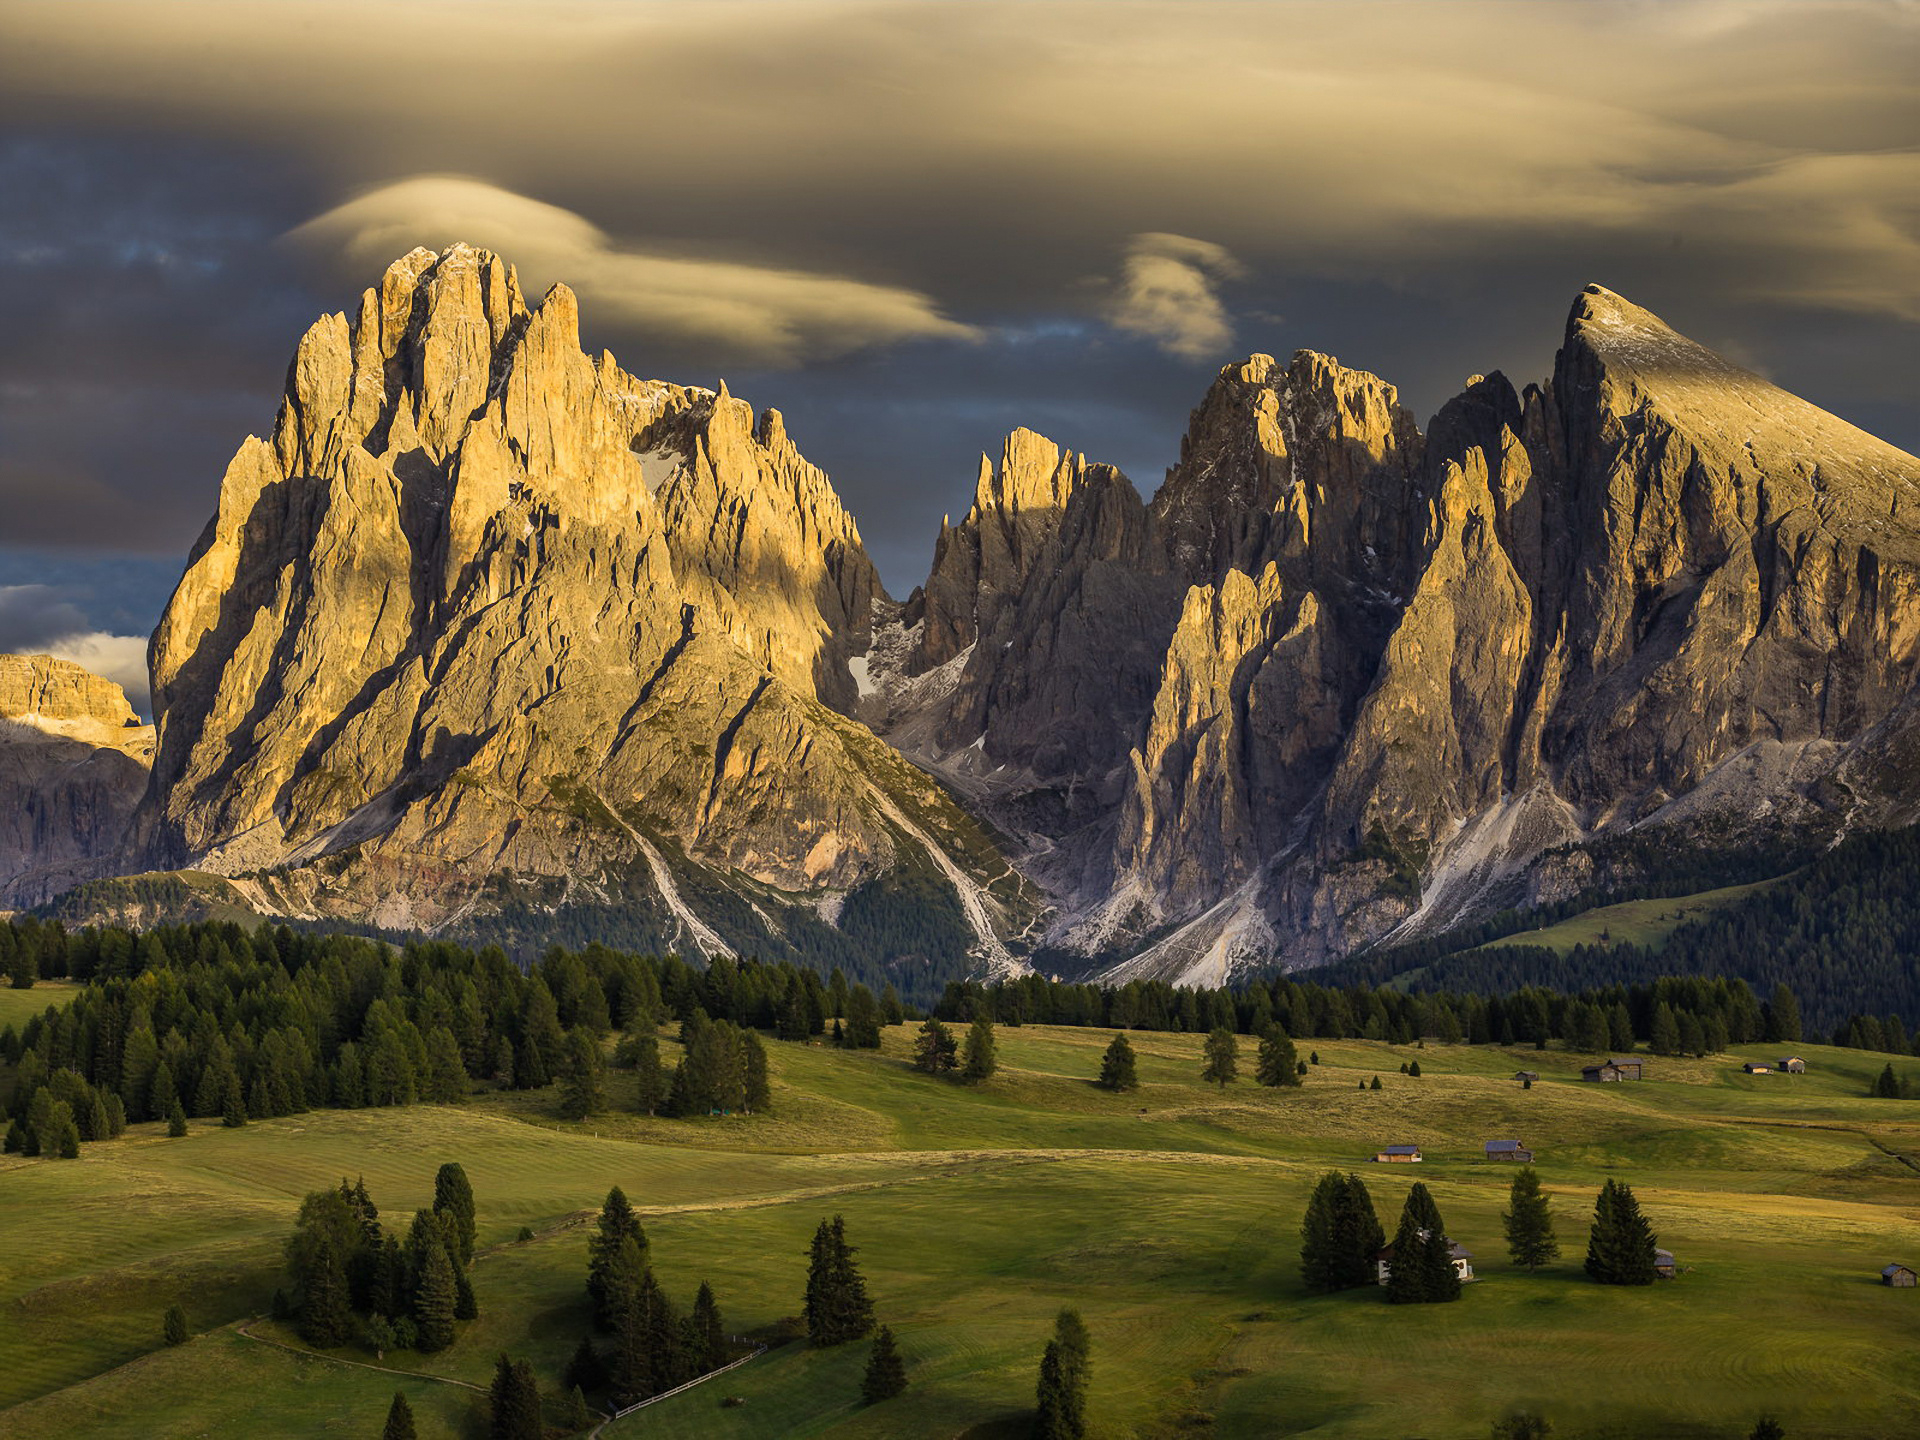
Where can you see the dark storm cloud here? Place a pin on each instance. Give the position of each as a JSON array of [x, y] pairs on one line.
[[914, 225]]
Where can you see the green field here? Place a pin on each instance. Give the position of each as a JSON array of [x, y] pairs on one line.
[[1646, 923], [1169, 1217], [19, 1006]]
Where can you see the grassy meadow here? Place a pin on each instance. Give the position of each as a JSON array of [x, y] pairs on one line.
[[1646, 923], [1168, 1216]]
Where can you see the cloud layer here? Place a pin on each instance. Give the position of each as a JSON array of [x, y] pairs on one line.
[[731, 311], [1166, 293], [40, 620]]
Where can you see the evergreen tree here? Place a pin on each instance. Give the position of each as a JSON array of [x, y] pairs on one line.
[[708, 1330], [1887, 1085], [1620, 1248], [617, 1225], [892, 1012], [1222, 1065], [574, 1414], [1767, 1428], [863, 1019], [649, 1072], [446, 1071], [434, 1302], [1340, 1235], [1421, 1270], [886, 1373], [1529, 1222], [1522, 1425], [981, 1059], [1058, 1413], [1376, 1083], [836, 1307], [233, 1107], [325, 1318], [515, 1400], [583, 1086], [757, 1088], [453, 1202], [1277, 1063], [1783, 1015], [1117, 1069], [1076, 1349], [176, 1121], [174, 1329], [586, 1370], [399, 1420], [1666, 1031], [933, 1048]]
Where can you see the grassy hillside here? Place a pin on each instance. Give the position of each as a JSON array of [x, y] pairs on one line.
[[1646, 923], [1168, 1216], [19, 1006]]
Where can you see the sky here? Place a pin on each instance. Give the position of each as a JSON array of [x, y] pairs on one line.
[[911, 226]]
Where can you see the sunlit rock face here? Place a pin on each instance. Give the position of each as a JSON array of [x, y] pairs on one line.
[[73, 766], [1368, 683], [484, 609]]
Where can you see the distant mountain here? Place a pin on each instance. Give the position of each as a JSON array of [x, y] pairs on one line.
[[73, 766], [494, 640]]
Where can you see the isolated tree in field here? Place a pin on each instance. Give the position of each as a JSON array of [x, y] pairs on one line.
[[583, 1084], [1887, 1085], [515, 1398], [1222, 1065], [981, 1057], [1621, 1245], [399, 1420], [453, 1202], [1522, 1425], [934, 1049], [434, 1302], [837, 1308], [1277, 1063], [709, 1333], [1528, 1219], [1058, 1411], [1421, 1271], [886, 1373], [1117, 1070], [176, 1122], [1767, 1428], [1076, 1348], [617, 1225], [1340, 1236], [174, 1329]]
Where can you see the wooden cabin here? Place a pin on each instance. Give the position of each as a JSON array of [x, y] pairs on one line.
[[1530, 1077], [1898, 1276], [1791, 1065], [1757, 1067], [1509, 1150], [1461, 1256], [1663, 1265], [1605, 1072], [1398, 1155]]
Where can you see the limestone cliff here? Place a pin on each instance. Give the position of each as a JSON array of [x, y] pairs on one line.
[[73, 766], [487, 621]]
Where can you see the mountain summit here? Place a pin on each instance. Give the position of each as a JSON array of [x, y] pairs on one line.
[[493, 639]]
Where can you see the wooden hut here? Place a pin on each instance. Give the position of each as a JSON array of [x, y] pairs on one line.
[[1898, 1276], [1509, 1150], [1791, 1065], [1530, 1077], [1757, 1067], [1663, 1265], [1398, 1155], [1461, 1256]]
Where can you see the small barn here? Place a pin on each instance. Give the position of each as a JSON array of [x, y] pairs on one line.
[[1461, 1256], [1663, 1265], [1791, 1065], [1629, 1066], [1757, 1067], [1606, 1072], [1398, 1155], [1531, 1077], [1898, 1276], [1509, 1150]]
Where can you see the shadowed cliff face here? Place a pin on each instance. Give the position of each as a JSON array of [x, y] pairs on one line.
[[485, 607], [73, 765], [1392, 673]]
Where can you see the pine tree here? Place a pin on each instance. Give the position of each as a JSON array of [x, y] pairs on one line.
[[1319, 1261], [1222, 1065], [708, 1330], [234, 1105], [399, 1420], [324, 1314], [886, 1373], [1767, 1428], [174, 1328], [574, 1414], [1887, 1085], [649, 1072], [981, 1059], [1076, 1349], [1357, 1234], [515, 1402], [435, 1302], [1410, 1276], [1783, 1015], [892, 1012], [1620, 1248], [453, 1202], [1666, 1031], [1058, 1413], [756, 1088], [1277, 1064], [176, 1122], [1376, 1083], [586, 1370], [934, 1048], [863, 1019], [836, 1307], [1529, 1222], [617, 1224], [583, 1084], [1522, 1425], [1117, 1070]]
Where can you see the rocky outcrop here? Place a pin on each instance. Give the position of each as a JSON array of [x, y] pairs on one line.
[[487, 617], [73, 766]]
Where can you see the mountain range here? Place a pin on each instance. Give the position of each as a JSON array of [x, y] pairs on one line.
[[491, 639]]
